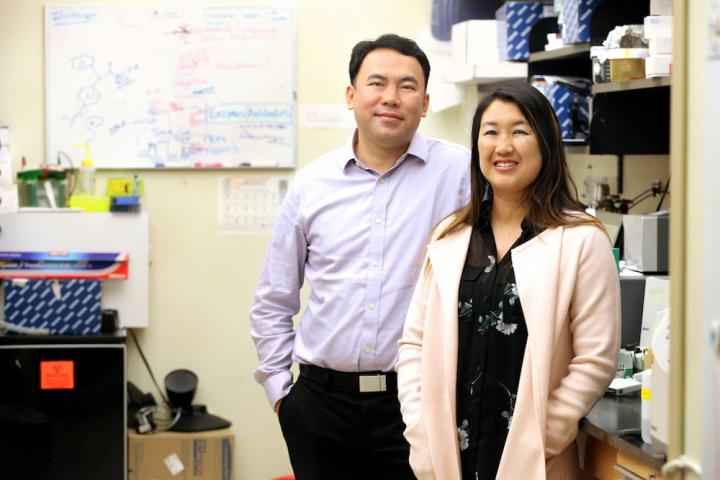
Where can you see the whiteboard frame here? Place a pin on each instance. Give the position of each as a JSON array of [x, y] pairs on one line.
[[54, 157]]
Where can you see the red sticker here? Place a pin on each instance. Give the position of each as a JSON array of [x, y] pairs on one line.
[[57, 375]]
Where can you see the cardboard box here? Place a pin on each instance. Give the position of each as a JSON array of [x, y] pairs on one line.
[[475, 42], [576, 20], [175, 455], [54, 306], [515, 20]]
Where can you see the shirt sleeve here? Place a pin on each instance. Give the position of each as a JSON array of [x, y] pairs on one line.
[[277, 299], [595, 320]]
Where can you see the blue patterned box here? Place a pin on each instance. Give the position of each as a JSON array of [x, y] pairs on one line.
[[55, 306], [576, 20], [515, 19], [571, 106]]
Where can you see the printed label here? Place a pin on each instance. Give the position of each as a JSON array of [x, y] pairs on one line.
[[57, 375], [174, 464]]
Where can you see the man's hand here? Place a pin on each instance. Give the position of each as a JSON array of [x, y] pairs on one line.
[[277, 407]]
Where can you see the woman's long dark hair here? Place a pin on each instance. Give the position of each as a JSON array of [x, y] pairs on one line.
[[553, 196]]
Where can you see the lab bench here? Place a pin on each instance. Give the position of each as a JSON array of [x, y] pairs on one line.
[[614, 448]]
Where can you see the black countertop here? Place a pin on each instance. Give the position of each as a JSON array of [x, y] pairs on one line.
[[9, 338], [616, 421]]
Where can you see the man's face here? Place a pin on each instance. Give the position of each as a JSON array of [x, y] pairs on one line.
[[388, 97]]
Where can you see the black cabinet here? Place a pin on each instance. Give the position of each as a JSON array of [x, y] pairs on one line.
[[62, 407]]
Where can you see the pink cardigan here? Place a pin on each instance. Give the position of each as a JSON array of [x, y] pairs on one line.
[[569, 290]]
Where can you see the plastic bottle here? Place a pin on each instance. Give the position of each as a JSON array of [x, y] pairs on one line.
[[645, 378], [86, 174], [661, 382]]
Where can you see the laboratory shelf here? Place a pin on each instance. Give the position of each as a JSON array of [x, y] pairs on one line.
[[580, 50], [488, 73], [599, 88]]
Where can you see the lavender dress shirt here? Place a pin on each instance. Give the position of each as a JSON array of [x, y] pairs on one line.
[[358, 238]]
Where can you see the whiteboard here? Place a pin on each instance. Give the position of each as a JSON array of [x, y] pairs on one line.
[[72, 231], [171, 85]]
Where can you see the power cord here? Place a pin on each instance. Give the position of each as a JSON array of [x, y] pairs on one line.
[[72, 177], [662, 198], [147, 365], [146, 416], [11, 327]]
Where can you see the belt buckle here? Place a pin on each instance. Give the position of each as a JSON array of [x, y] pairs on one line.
[[372, 383]]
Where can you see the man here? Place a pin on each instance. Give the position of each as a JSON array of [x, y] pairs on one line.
[[354, 224]]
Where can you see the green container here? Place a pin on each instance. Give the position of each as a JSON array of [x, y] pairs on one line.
[[35, 187]]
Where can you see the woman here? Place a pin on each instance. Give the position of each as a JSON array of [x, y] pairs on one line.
[[512, 333]]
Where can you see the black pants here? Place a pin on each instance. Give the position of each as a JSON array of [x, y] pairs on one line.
[[336, 434]]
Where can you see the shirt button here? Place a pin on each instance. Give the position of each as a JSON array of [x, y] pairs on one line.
[[382, 180], [371, 306], [378, 220], [368, 349], [375, 264]]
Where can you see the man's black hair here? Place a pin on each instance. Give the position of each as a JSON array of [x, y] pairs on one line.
[[402, 45]]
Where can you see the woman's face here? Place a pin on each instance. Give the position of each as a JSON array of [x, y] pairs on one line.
[[510, 157]]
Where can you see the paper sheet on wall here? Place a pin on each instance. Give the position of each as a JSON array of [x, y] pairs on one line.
[[250, 204], [325, 116]]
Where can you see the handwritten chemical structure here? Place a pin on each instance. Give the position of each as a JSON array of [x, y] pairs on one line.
[[91, 93]]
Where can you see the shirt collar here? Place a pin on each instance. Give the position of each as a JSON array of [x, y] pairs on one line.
[[418, 148]]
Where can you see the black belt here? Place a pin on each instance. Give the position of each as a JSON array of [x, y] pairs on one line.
[[363, 382]]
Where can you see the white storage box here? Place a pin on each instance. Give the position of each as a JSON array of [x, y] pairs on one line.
[[658, 26], [658, 66], [646, 240], [660, 46], [475, 42]]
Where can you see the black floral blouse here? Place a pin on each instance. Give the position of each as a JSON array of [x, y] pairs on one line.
[[491, 344]]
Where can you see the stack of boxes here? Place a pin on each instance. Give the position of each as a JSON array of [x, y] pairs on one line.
[[515, 20], [576, 20], [658, 32]]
